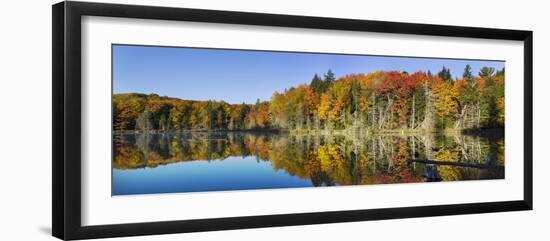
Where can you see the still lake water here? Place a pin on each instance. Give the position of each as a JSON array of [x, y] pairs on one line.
[[220, 161]]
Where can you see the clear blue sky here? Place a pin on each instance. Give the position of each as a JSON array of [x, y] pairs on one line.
[[238, 76]]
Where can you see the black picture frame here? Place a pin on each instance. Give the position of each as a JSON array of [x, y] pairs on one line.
[[66, 128]]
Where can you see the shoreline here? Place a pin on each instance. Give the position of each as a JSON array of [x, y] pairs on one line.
[[482, 132]]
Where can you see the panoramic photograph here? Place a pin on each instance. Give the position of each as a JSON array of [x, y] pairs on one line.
[[202, 119]]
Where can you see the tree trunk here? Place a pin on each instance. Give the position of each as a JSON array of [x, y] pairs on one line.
[[428, 122], [373, 121], [413, 109]]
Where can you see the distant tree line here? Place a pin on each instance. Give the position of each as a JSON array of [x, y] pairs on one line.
[[379, 100], [156, 113]]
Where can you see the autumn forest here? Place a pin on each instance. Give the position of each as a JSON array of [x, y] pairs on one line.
[[380, 101]]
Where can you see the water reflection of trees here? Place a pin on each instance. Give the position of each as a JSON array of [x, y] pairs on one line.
[[325, 160]]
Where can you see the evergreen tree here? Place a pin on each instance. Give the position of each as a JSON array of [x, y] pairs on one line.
[[329, 79], [467, 75], [317, 84], [445, 74]]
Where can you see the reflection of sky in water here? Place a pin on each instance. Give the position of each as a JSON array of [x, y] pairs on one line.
[[233, 173]]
